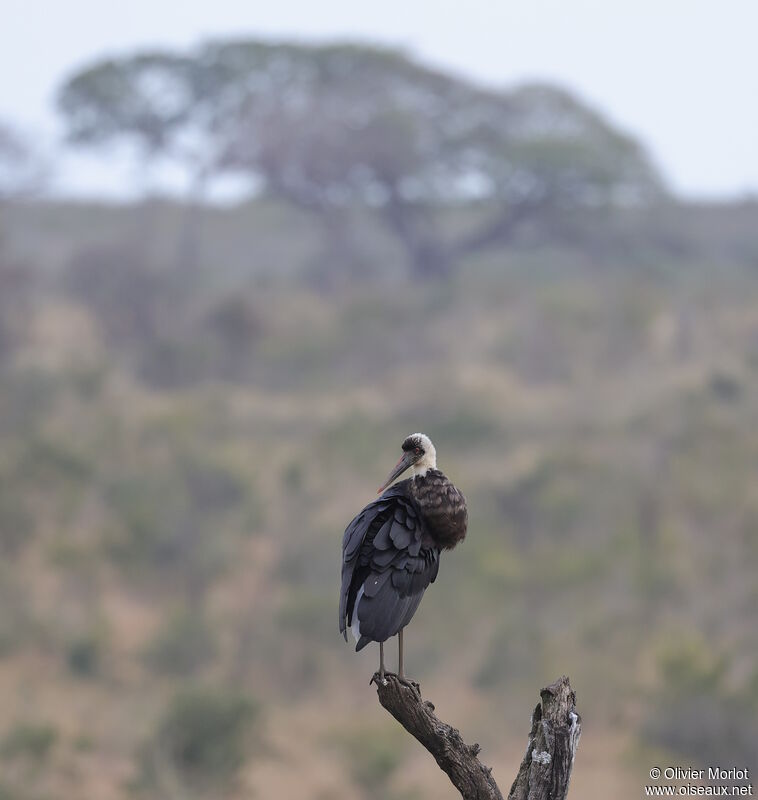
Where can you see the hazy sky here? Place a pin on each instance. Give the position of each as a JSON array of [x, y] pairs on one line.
[[681, 74]]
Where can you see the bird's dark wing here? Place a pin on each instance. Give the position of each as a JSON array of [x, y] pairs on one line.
[[387, 554]]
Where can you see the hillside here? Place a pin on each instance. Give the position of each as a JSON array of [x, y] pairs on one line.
[[183, 439]]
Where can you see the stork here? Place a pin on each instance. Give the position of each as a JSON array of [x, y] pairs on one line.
[[391, 549]]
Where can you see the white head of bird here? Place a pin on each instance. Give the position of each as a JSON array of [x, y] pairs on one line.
[[419, 456]]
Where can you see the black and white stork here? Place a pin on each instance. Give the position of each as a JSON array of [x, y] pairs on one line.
[[391, 550]]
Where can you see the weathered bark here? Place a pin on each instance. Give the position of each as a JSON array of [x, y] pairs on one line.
[[546, 768]]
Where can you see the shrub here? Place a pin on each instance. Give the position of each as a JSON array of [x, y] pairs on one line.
[[372, 756], [200, 739], [695, 712], [32, 740], [17, 620], [212, 487], [308, 612], [83, 655], [16, 523], [293, 477], [183, 645], [237, 323], [724, 386], [47, 461], [164, 511]]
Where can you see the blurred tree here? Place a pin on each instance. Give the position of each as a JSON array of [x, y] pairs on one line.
[[332, 127], [146, 100], [21, 169], [150, 102]]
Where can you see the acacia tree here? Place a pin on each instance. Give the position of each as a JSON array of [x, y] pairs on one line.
[[338, 126], [333, 126], [151, 101], [147, 100]]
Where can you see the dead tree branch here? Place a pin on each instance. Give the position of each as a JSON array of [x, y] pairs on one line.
[[545, 769]]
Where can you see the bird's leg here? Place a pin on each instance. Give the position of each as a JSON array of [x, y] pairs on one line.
[[381, 661], [411, 684], [400, 653]]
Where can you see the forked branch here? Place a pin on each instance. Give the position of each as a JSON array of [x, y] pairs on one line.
[[545, 769]]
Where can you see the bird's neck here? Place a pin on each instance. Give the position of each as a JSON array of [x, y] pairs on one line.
[[421, 467]]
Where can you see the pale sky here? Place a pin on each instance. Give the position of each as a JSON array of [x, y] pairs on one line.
[[680, 74]]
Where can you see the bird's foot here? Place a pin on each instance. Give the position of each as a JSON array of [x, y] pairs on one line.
[[380, 677], [393, 676]]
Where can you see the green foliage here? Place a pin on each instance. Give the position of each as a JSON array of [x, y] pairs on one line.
[[236, 322], [309, 612], [28, 396], [293, 476], [168, 510], [201, 738], [33, 741], [690, 665], [695, 711], [213, 486], [725, 387], [182, 646], [107, 101], [174, 362], [45, 461], [16, 521], [17, 620], [83, 655], [156, 515], [372, 756]]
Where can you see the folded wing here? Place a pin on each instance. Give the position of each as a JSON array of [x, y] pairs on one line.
[[387, 564]]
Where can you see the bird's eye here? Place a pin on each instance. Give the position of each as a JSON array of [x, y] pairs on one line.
[[417, 451]]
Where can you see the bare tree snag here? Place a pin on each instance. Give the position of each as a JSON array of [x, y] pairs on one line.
[[545, 770], [546, 767]]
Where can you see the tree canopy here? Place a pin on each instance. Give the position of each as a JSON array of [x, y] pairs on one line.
[[332, 126]]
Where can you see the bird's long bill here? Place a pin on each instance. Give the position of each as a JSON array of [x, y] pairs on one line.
[[397, 471]]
